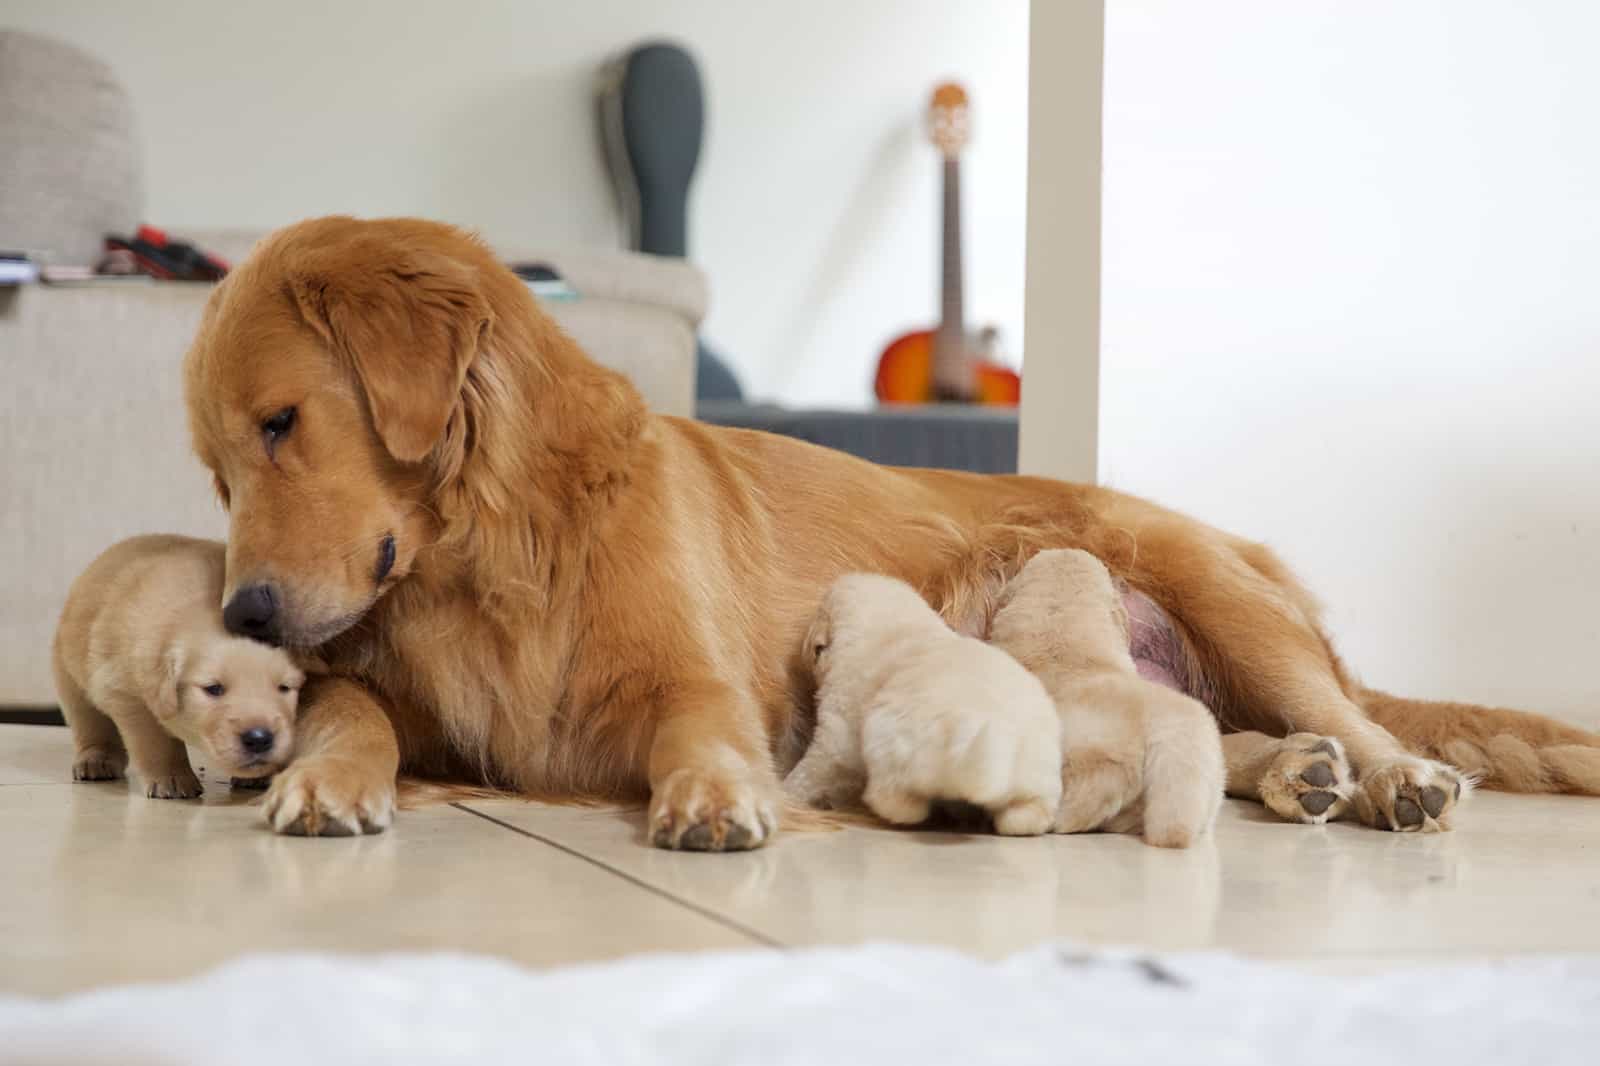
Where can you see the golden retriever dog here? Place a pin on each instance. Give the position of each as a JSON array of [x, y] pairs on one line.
[[522, 577], [1136, 755], [143, 665], [911, 713]]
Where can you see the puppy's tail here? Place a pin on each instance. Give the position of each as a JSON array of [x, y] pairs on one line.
[[1512, 751]]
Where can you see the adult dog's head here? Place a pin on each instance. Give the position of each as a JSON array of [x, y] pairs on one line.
[[336, 389]]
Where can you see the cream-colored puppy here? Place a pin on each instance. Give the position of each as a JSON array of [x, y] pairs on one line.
[[1136, 756], [909, 713], [143, 665]]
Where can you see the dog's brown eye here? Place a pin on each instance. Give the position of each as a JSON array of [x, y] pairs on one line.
[[819, 649], [277, 427], [213, 690], [285, 688]]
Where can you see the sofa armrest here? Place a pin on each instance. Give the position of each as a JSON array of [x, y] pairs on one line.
[[96, 445]]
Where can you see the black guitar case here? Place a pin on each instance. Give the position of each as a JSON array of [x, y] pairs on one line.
[[652, 116]]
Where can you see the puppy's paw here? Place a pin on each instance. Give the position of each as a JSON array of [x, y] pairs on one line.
[[1309, 780], [1029, 818], [329, 798], [1096, 786], [705, 810], [896, 805], [100, 764], [181, 785], [1409, 795]]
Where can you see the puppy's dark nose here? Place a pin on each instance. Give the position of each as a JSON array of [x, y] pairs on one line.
[[256, 741], [253, 612]]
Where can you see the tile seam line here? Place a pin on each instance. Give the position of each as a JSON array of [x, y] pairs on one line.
[[655, 890]]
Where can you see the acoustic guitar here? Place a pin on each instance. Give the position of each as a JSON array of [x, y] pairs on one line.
[[946, 364]]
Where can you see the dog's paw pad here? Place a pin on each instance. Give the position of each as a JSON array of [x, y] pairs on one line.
[[1309, 780], [1409, 795]]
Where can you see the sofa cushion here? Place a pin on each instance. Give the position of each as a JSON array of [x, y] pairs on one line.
[[70, 170]]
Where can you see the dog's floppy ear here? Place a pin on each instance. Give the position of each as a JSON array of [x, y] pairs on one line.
[[410, 327], [166, 701]]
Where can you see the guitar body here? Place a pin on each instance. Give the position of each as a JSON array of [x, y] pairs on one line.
[[905, 375], [947, 365]]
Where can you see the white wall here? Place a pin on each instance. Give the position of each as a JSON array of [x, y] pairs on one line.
[[815, 211], [1352, 252]]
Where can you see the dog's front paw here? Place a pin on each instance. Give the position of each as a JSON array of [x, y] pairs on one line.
[[100, 764], [1409, 795], [329, 798], [703, 810], [181, 785]]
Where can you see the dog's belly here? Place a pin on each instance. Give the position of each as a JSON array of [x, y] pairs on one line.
[[1155, 645]]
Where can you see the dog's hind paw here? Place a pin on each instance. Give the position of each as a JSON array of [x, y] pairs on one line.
[[1309, 780], [1409, 795]]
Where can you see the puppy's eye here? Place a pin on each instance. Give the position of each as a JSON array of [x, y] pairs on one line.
[[818, 650], [213, 690], [277, 426], [285, 688]]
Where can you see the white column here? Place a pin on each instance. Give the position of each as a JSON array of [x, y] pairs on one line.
[[1061, 368]]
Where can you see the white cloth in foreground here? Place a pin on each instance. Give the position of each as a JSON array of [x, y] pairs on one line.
[[874, 1004]]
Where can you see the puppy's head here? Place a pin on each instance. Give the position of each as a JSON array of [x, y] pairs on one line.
[[1061, 597], [859, 608], [234, 697], [328, 368]]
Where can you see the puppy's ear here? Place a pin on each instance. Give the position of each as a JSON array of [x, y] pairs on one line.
[[410, 327], [168, 688], [818, 636]]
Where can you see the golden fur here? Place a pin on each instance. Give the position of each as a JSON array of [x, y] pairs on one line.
[[1136, 757], [590, 599], [910, 713], [138, 643]]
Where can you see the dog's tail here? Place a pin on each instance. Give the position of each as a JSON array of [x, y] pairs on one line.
[[1512, 751]]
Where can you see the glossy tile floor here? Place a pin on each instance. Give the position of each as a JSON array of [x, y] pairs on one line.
[[100, 884]]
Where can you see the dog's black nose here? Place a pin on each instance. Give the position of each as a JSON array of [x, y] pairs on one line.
[[253, 612], [256, 741]]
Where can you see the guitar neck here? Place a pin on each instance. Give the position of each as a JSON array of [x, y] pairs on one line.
[[952, 371]]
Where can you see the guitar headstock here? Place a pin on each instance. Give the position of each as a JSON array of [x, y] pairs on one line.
[[948, 119]]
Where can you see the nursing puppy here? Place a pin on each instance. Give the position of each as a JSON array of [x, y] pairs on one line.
[[910, 713], [1136, 756], [143, 666]]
